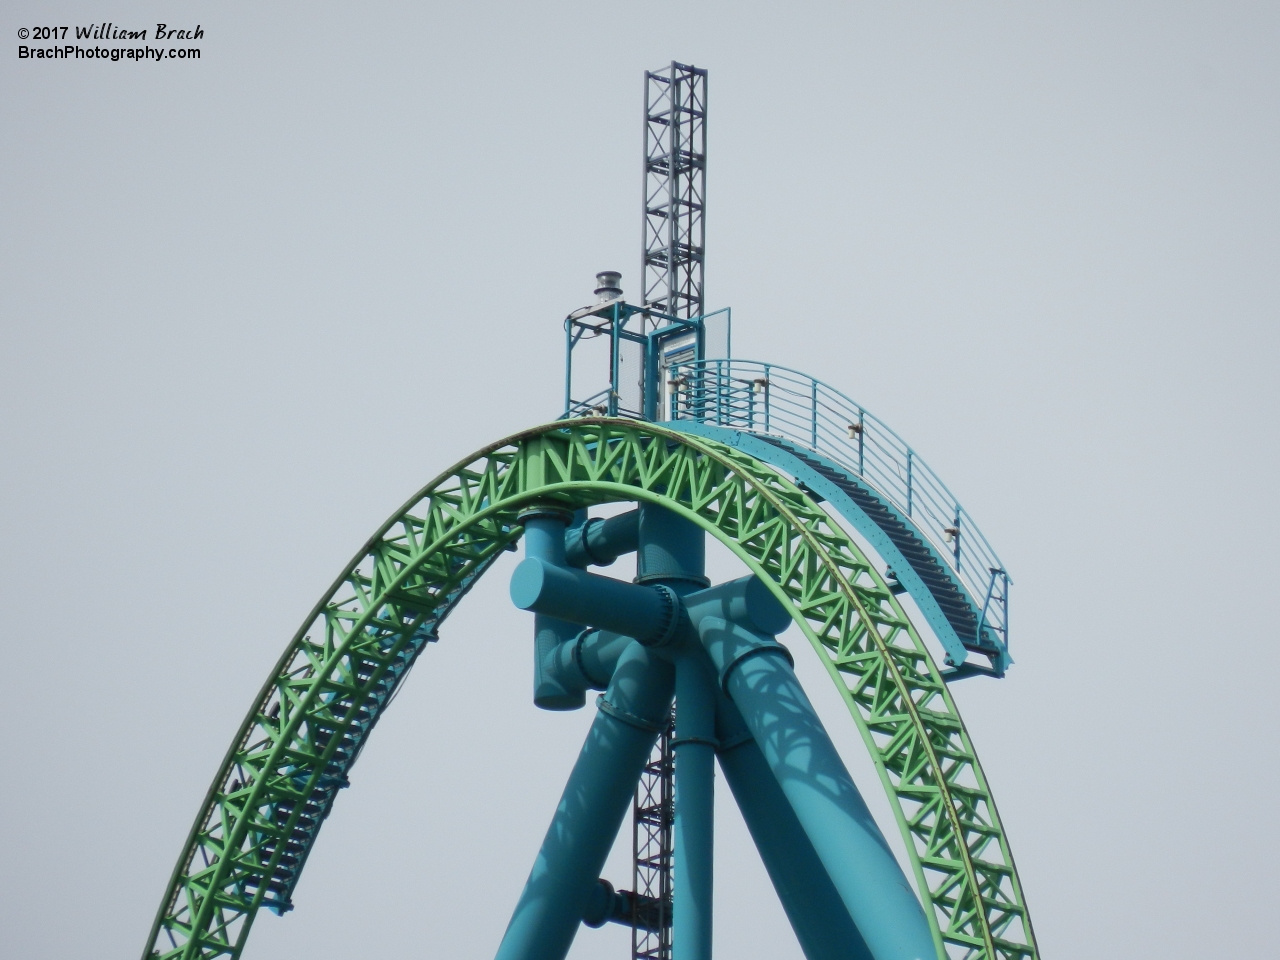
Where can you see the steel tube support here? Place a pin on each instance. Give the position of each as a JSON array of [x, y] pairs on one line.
[[587, 661], [544, 538], [746, 602], [812, 903], [671, 557], [544, 534], [555, 689], [597, 796], [648, 613], [694, 747], [571, 661], [671, 550], [601, 541], [757, 675]]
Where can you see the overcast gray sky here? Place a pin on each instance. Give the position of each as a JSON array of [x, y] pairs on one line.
[[251, 302]]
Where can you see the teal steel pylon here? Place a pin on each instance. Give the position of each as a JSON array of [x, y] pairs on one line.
[[595, 800], [813, 906], [667, 614]]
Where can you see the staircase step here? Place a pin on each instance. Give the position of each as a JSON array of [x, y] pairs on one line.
[[936, 577]]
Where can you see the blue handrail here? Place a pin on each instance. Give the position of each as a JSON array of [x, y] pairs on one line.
[[774, 400]]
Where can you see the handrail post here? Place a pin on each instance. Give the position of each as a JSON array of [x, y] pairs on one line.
[[722, 377], [765, 391], [862, 434], [909, 513], [568, 365], [613, 364], [991, 587], [729, 415], [1004, 604], [813, 414]]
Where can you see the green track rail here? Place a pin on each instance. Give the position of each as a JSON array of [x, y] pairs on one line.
[[291, 756]]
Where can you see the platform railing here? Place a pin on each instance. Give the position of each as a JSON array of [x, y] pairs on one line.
[[601, 404], [773, 400]]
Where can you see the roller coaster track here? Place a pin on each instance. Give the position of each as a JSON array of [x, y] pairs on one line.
[[295, 749]]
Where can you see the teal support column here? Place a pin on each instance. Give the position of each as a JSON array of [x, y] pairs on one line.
[[671, 550], [550, 691], [544, 533], [671, 554], [756, 673], [812, 903], [599, 542], [652, 386], [694, 746], [544, 537], [596, 797], [568, 661]]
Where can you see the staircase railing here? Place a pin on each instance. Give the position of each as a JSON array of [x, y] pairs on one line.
[[773, 400]]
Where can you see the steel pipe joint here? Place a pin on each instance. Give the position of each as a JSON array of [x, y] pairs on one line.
[[729, 644], [745, 601], [652, 614], [600, 542]]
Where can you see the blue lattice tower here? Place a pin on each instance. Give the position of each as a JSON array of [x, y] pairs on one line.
[[675, 182]]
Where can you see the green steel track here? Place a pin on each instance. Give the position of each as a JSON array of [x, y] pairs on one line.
[[291, 755]]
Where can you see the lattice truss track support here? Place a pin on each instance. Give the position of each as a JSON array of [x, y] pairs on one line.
[[675, 182], [293, 752]]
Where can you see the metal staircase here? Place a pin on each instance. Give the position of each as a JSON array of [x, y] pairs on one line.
[[829, 442]]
